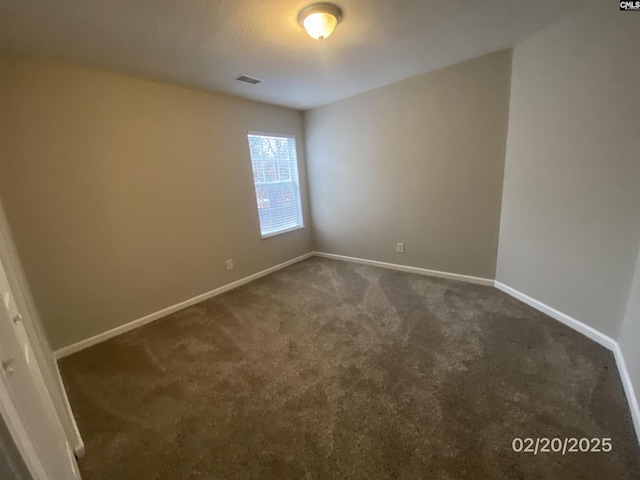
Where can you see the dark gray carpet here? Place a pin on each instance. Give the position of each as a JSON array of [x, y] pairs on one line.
[[336, 370]]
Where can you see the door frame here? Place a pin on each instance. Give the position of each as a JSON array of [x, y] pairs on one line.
[[49, 381], [19, 434]]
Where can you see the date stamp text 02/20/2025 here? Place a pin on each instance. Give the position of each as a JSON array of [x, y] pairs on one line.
[[563, 446]]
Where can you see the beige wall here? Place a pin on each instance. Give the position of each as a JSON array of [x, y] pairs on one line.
[[419, 162], [127, 196], [570, 223]]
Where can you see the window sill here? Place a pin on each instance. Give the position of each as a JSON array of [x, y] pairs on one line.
[[280, 232]]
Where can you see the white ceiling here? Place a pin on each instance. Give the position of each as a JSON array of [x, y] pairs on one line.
[[207, 43]]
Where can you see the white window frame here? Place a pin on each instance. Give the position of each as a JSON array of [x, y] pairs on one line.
[[299, 191]]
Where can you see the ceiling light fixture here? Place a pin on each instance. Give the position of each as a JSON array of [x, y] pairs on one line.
[[320, 19]]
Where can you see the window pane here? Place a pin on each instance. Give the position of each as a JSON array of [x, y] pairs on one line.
[[275, 176]]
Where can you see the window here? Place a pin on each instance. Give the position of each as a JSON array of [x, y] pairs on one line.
[[275, 176]]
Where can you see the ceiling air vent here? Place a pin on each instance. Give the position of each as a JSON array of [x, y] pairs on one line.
[[248, 79]]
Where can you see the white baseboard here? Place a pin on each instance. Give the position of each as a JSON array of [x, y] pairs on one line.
[[594, 335], [101, 337], [571, 322], [406, 268], [628, 389], [78, 448]]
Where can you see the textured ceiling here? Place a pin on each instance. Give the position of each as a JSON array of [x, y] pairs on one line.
[[207, 43]]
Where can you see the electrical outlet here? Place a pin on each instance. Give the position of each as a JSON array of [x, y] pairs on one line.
[[229, 264], [400, 247]]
